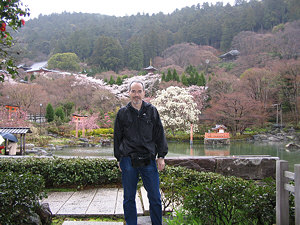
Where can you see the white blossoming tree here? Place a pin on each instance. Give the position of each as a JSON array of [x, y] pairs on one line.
[[177, 109]]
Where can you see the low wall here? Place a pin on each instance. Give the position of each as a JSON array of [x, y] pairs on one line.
[[247, 167]]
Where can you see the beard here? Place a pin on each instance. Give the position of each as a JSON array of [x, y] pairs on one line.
[[136, 100]]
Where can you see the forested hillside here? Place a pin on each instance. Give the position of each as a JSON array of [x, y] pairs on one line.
[[113, 43]]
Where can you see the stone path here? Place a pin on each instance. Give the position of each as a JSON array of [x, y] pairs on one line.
[[95, 202]]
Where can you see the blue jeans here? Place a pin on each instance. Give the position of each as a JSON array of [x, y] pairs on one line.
[[130, 178]]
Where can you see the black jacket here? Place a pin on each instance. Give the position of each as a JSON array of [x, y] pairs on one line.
[[139, 131]]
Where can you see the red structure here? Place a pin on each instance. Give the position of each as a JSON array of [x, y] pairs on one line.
[[79, 119], [11, 109], [219, 136]]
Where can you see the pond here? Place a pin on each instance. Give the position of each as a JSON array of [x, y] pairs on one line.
[[197, 149]]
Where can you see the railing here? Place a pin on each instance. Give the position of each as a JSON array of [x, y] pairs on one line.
[[36, 118], [283, 187], [217, 135]]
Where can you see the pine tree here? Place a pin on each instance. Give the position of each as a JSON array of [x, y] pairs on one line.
[[175, 76], [119, 81], [163, 77], [184, 80], [203, 80], [112, 80], [169, 75], [49, 113], [59, 112]]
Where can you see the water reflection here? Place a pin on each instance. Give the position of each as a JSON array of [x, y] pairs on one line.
[[217, 150]]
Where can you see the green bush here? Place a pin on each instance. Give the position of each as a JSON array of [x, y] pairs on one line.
[[184, 137], [19, 196], [175, 183], [60, 172], [216, 199], [103, 132]]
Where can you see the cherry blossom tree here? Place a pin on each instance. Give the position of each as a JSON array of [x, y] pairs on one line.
[[27, 96], [200, 95], [259, 84], [13, 119], [237, 111], [86, 123], [177, 108]]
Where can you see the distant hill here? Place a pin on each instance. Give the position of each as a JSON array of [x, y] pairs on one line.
[[143, 37]]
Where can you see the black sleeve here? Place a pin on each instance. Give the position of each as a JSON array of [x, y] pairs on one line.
[[159, 136], [118, 136]]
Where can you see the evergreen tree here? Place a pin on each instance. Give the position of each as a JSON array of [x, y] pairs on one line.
[[59, 112], [184, 80], [119, 81], [49, 113], [175, 76], [111, 80], [67, 107], [64, 61], [32, 77], [169, 75], [135, 55], [201, 80], [163, 77], [197, 79], [108, 53], [191, 79]]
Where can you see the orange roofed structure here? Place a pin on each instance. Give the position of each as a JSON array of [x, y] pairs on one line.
[[219, 136]]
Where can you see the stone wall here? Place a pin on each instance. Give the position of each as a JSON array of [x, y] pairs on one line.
[[247, 167]]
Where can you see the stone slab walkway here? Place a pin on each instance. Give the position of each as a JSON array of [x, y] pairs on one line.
[[90, 202], [96, 202]]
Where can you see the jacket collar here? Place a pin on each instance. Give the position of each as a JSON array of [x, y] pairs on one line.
[[143, 107]]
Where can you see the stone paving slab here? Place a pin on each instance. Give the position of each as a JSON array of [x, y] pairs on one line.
[[91, 223], [97, 201], [104, 202]]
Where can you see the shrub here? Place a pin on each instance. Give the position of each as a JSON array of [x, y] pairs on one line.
[[175, 182], [59, 172], [19, 195], [103, 132], [216, 199]]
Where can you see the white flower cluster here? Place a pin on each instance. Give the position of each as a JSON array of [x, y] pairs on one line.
[[177, 108]]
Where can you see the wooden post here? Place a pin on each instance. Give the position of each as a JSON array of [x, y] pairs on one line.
[[282, 195], [21, 144], [76, 122], [297, 193], [24, 141], [191, 135]]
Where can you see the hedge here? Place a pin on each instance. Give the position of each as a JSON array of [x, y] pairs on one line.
[[62, 172], [19, 196], [216, 199]]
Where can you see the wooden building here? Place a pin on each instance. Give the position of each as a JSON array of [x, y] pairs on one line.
[[218, 136], [21, 131]]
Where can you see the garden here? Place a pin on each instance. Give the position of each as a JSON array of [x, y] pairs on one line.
[[196, 197]]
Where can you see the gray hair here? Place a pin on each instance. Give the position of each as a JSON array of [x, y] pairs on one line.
[[136, 81]]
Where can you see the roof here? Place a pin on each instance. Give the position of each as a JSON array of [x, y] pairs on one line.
[[219, 127], [232, 53], [150, 68], [15, 130]]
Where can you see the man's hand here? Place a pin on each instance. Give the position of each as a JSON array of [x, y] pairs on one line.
[[119, 166], [160, 163]]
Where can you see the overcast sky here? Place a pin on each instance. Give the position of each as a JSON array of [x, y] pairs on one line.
[[111, 7]]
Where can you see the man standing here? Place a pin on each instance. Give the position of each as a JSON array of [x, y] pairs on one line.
[[138, 139]]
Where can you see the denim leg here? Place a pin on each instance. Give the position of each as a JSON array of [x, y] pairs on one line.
[[130, 177], [150, 179]]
